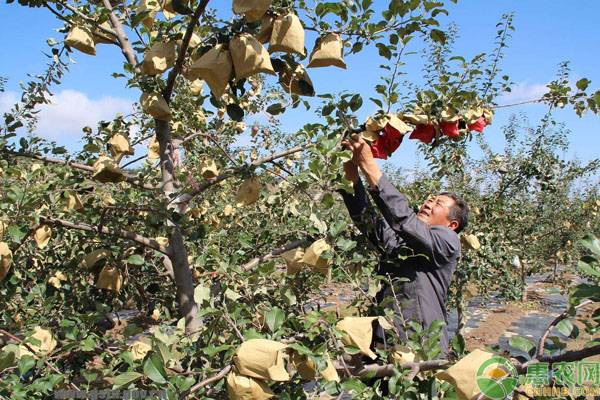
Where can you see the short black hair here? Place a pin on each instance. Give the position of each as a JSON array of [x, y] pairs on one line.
[[459, 211]]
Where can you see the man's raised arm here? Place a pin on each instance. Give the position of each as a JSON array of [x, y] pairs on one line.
[[437, 243], [373, 226]]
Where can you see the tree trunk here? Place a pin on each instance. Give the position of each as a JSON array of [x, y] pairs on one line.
[[181, 269], [523, 282]]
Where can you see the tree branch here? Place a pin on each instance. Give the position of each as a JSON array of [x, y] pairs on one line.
[[183, 49], [123, 234], [565, 314], [124, 43], [568, 356], [274, 253], [82, 167], [379, 371], [205, 185], [52, 367], [207, 381]]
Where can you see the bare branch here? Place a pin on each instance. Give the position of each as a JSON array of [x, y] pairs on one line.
[[379, 371], [568, 356], [183, 49], [82, 167], [126, 48], [207, 381], [123, 234], [565, 314], [274, 253]]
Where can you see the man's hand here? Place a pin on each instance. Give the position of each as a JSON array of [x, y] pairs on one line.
[[351, 171], [363, 158]]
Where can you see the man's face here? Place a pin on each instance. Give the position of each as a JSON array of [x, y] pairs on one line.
[[436, 210]]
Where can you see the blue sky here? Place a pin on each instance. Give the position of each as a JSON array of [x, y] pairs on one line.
[[547, 32]]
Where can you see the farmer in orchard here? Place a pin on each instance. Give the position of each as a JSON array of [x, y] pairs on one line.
[[429, 238]]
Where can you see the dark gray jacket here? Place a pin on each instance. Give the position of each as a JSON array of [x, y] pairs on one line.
[[425, 256]]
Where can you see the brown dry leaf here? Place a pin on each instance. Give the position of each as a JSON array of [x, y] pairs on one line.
[[312, 256], [369, 136], [3, 228], [415, 118], [472, 115], [463, 374], [327, 52], [159, 58], [5, 260], [106, 170], [403, 354], [155, 105], [214, 67], [42, 236], [44, 336], [119, 146], [153, 149], [248, 192], [376, 122], [73, 202], [197, 87], [395, 122], [262, 359], [358, 333], [266, 28], [209, 169], [249, 57], [252, 10], [139, 349], [287, 35], [81, 39], [241, 387], [308, 370], [93, 259], [228, 210], [488, 115], [296, 81], [102, 37], [110, 278], [151, 7], [470, 241], [163, 241], [293, 259]]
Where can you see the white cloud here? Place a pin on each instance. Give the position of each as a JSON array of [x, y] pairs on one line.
[[71, 110], [524, 91], [7, 99]]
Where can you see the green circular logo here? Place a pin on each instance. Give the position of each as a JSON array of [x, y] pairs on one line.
[[497, 378]]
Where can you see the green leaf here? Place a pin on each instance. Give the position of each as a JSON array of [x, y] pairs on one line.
[[125, 379], [592, 244], [232, 295], [26, 363], [276, 109], [135, 259], [328, 109], [274, 318], [16, 233], [438, 36], [521, 343], [154, 369], [565, 327], [201, 294], [356, 102], [582, 84], [235, 112]]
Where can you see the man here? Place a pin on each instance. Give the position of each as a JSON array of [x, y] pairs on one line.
[[429, 238]]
